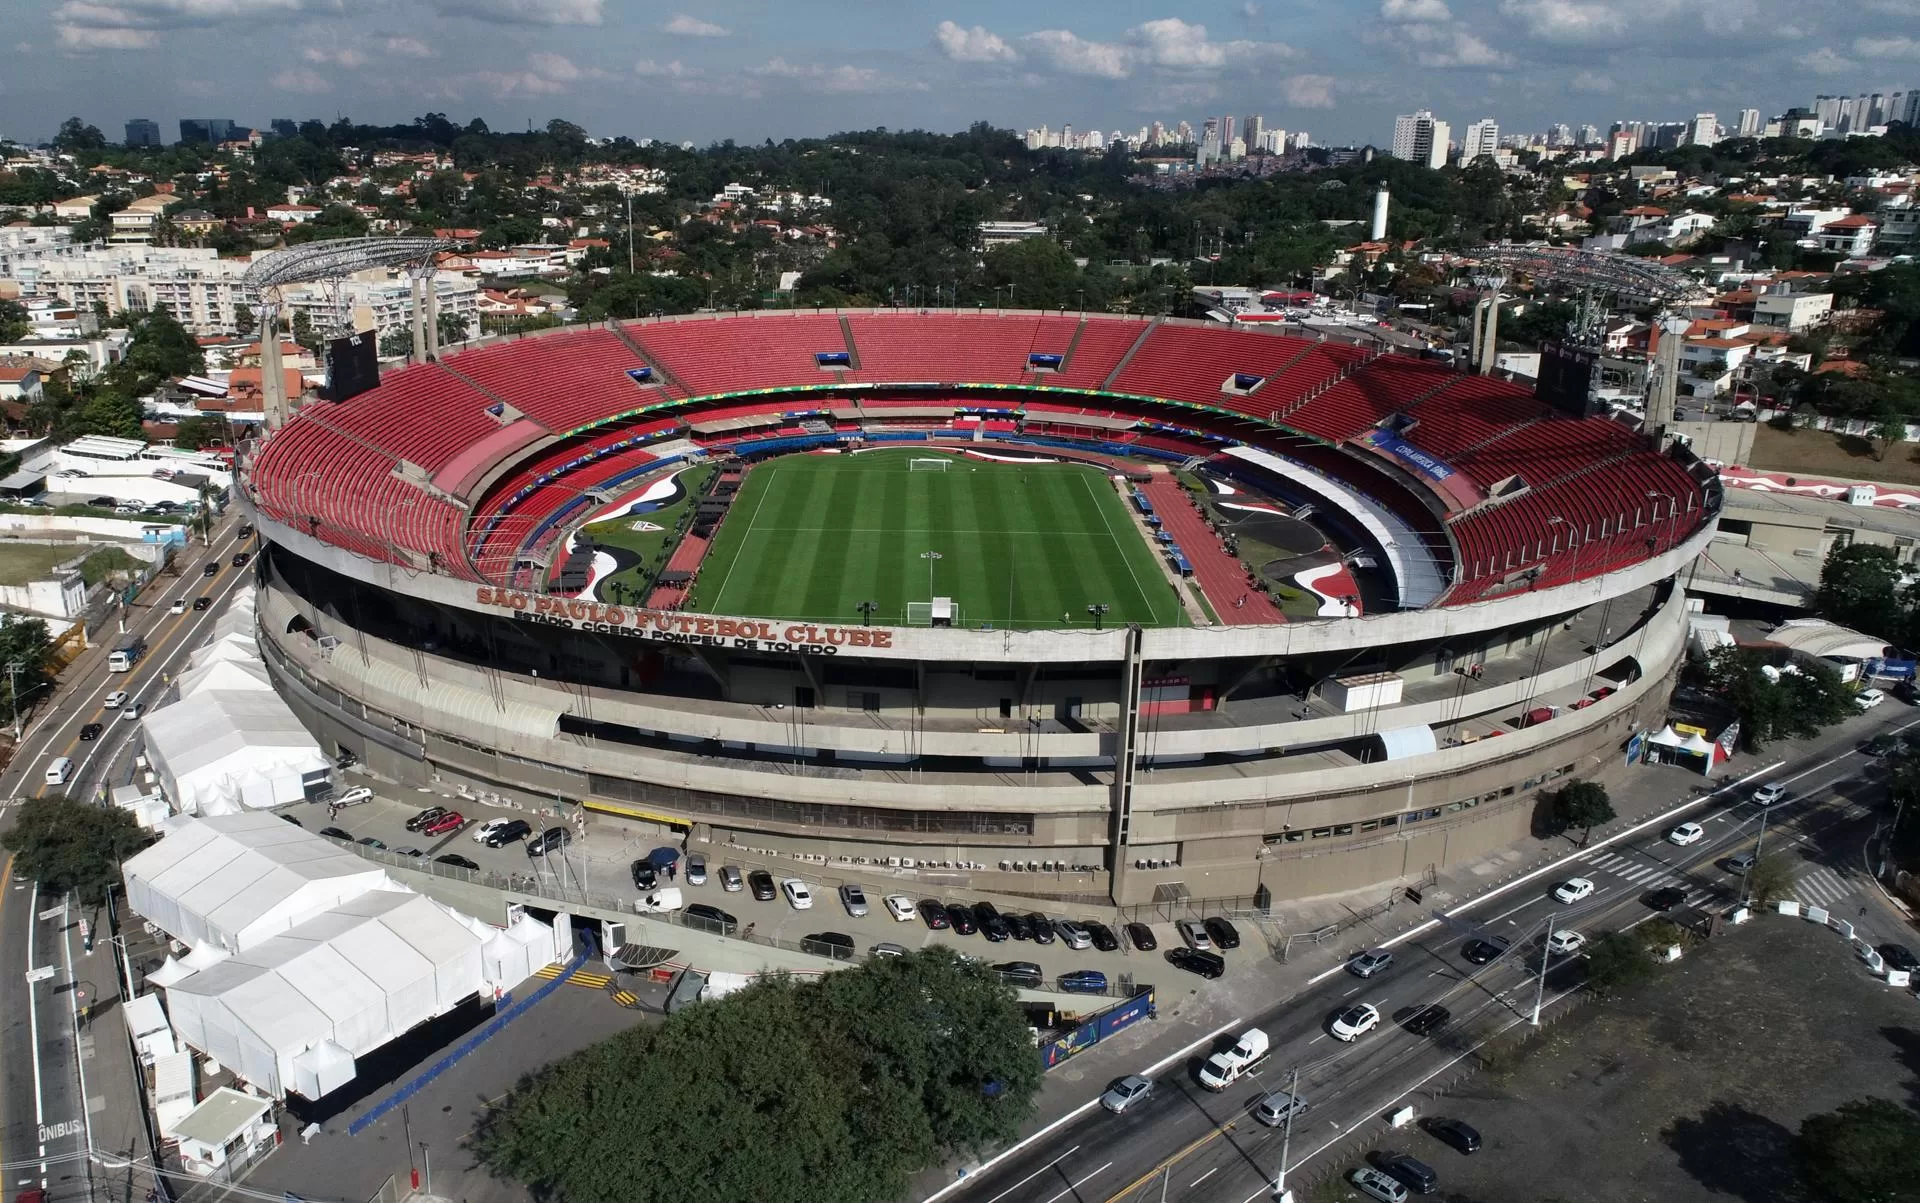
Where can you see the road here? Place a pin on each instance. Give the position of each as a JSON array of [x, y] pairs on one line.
[[1193, 1144], [44, 1117]]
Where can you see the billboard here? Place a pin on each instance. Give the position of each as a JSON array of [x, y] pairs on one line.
[[1566, 378], [353, 366]]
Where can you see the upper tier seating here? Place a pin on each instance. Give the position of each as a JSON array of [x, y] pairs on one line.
[[564, 381], [736, 353], [1190, 363]]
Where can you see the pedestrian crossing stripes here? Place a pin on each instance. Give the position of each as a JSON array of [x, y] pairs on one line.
[[592, 981], [1822, 887]]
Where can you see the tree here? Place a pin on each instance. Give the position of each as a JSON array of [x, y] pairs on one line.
[[1769, 880], [304, 333], [160, 350], [1889, 429], [1866, 1151], [397, 342], [836, 1089], [112, 413], [67, 845], [14, 323], [453, 327], [25, 644], [76, 135], [1617, 960], [1796, 701], [1583, 804], [191, 434]]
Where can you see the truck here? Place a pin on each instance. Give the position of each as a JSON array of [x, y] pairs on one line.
[[123, 658], [1224, 1069]]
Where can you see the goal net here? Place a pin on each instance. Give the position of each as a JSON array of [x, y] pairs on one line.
[[941, 612], [928, 465]]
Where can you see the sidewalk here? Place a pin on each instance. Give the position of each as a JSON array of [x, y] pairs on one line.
[[1189, 1010]]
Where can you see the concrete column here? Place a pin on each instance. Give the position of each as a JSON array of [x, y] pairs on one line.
[[1490, 349], [1125, 755], [273, 381], [419, 321], [432, 317]]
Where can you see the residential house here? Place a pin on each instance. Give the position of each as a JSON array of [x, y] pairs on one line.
[[1851, 236]]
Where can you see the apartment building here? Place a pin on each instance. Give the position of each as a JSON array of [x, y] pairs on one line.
[[202, 290]]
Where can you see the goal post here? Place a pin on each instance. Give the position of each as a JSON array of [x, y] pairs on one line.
[[923, 614], [928, 465]]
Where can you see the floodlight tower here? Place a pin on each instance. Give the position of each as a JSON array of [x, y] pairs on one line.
[[1486, 322], [1663, 390]]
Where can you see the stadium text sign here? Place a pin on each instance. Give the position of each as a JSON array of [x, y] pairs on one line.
[[667, 627]]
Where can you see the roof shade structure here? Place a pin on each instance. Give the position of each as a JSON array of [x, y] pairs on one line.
[[283, 1013], [221, 750], [1826, 640], [234, 881]]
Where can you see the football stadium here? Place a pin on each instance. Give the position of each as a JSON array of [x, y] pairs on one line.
[[1075, 606]]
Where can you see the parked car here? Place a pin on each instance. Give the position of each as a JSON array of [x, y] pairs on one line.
[[993, 926], [696, 869], [961, 917], [1141, 937], [114, 700], [760, 882], [1565, 943], [1126, 1092], [1375, 1184], [1083, 981], [354, 797], [1899, 956], [1042, 927], [1209, 965], [1354, 1022], [449, 822], [1459, 1135], [1867, 699], [370, 842], [91, 731], [1665, 898], [837, 945], [1370, 962], [508, 832], [457, 861], [487, 828], [1686, 833], [703, 917], [933, 913], [1103, 937], [1018, 927], [799, 894], [551, 840], [1427, 1020], [887, 948], [1480, 950], [410, 852], [1409, 1171], [900, 907], [1193, 934], [1019, 973], [731, 880], [660, 902], [855, 900], [336, 833], [645, 876], [1573, 889], [1073, 935], [1225, 935], [419, 821]]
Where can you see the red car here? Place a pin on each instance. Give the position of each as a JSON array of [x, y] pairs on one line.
[[453, 820]]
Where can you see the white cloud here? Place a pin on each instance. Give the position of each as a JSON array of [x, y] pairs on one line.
[[1442, 47], [693, 27], [814, 77], [136, 24], [547, 73], [1827, 61], [303, 80], [646, 68], [1592, 81], [526, 12], [344, 56], [1893, 47], [976, 45], [1250, 10], [408, 48], [1168, 44], [1571, 22], [1076, 56], [1308, 91], [83, 37], [1406, 12]]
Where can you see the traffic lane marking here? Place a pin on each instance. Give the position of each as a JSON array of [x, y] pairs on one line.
[[1030, 1177]]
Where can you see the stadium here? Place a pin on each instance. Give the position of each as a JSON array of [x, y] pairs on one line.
[[1066, 605]]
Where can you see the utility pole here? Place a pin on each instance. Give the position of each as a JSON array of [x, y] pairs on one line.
[[1757, 845], [13, 692], [1280, 1192], [1546, 949]]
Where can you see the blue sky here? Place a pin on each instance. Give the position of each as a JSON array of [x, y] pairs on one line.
[[751, 69]]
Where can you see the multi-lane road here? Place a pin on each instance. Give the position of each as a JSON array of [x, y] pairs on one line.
[[1185, 1142], [48, 1105]]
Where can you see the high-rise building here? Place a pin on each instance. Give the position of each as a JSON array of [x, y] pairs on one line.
[[206, 129], [1827, 109], [1622, 142], [1419, 138], [1185, 132], [1912, 114], [1703, 130], [1589, 135], [1159, 135], [1482, 138], [1226, 131], [1749, 123], [1560, 135], [1255, 127], [142, 132]]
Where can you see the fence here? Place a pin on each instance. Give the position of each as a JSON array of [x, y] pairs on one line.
[[1107, 1023]]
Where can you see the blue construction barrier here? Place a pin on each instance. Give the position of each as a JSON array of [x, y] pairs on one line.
[[1116, 1018], [493, 1028]]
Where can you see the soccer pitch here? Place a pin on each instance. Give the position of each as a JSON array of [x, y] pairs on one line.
[[813, 536]]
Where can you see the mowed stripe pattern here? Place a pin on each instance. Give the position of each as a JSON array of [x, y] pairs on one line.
[[812, 536]]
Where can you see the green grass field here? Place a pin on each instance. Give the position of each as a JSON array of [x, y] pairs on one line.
[[812, 536]]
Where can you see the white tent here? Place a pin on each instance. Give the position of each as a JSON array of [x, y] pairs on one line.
[[512, 955], [232, 881], [219, 750], [354, 978], [224, 674]]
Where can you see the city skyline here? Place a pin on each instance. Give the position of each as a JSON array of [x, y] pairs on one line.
[[739, 70]]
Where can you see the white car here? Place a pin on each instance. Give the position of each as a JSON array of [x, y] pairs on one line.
[[179, 606], [1770, 793], [799, 897], [487, 828], [1573, 889], [132, 713], [115, 700], [1376, 1185], [1867, 699], [354, 796], [902, 908], [1565, 943], [1354, 1022], [1686, 833]]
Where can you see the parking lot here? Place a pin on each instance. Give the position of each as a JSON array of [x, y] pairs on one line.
[[1691, 1087]]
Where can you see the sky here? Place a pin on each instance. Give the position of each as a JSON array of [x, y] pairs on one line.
[[754, 69]]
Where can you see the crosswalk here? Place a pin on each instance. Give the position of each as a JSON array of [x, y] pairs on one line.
[[592, 981], [1634, 872], [1822, 887], [1817, 886]]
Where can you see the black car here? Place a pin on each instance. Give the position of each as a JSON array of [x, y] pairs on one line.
[[704, 917], [90, 731], [837, 945], [1103, 938], [1042, 928], [1206, 964], [760, 883], [1480, 951], [1427, 1020], [1883, 745], [336, 833], [240, 559], [1460, 1136], [961, 916], [1225, 935], [455, 860], [934, 914], [201, 603], [1412, 1173], [1018, 927], [1665, 898], [424, 817], [506, 833], [1019, 973], [645, 876], [1899, 956], [211, 568], [987, 918], [294, 821], [1141, 937]]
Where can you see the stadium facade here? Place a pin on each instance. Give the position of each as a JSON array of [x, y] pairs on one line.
[[1509, 615]]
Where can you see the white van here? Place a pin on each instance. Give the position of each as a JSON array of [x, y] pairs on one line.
[[1224, 1069], [58, 770], [660, 902]]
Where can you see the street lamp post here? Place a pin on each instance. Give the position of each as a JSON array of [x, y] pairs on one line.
[[1280, 1192], [866, 609], [1099, 611], [13, 694], [932, 558], [1546, 950]]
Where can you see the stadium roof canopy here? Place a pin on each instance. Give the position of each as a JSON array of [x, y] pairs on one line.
[[1599, 271], [337, 257]]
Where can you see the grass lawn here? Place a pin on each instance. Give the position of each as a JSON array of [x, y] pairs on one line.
[[23, 562], [1842, 456], [812, 536]]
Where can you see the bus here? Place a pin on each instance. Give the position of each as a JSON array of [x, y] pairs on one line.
[[123, 658]]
